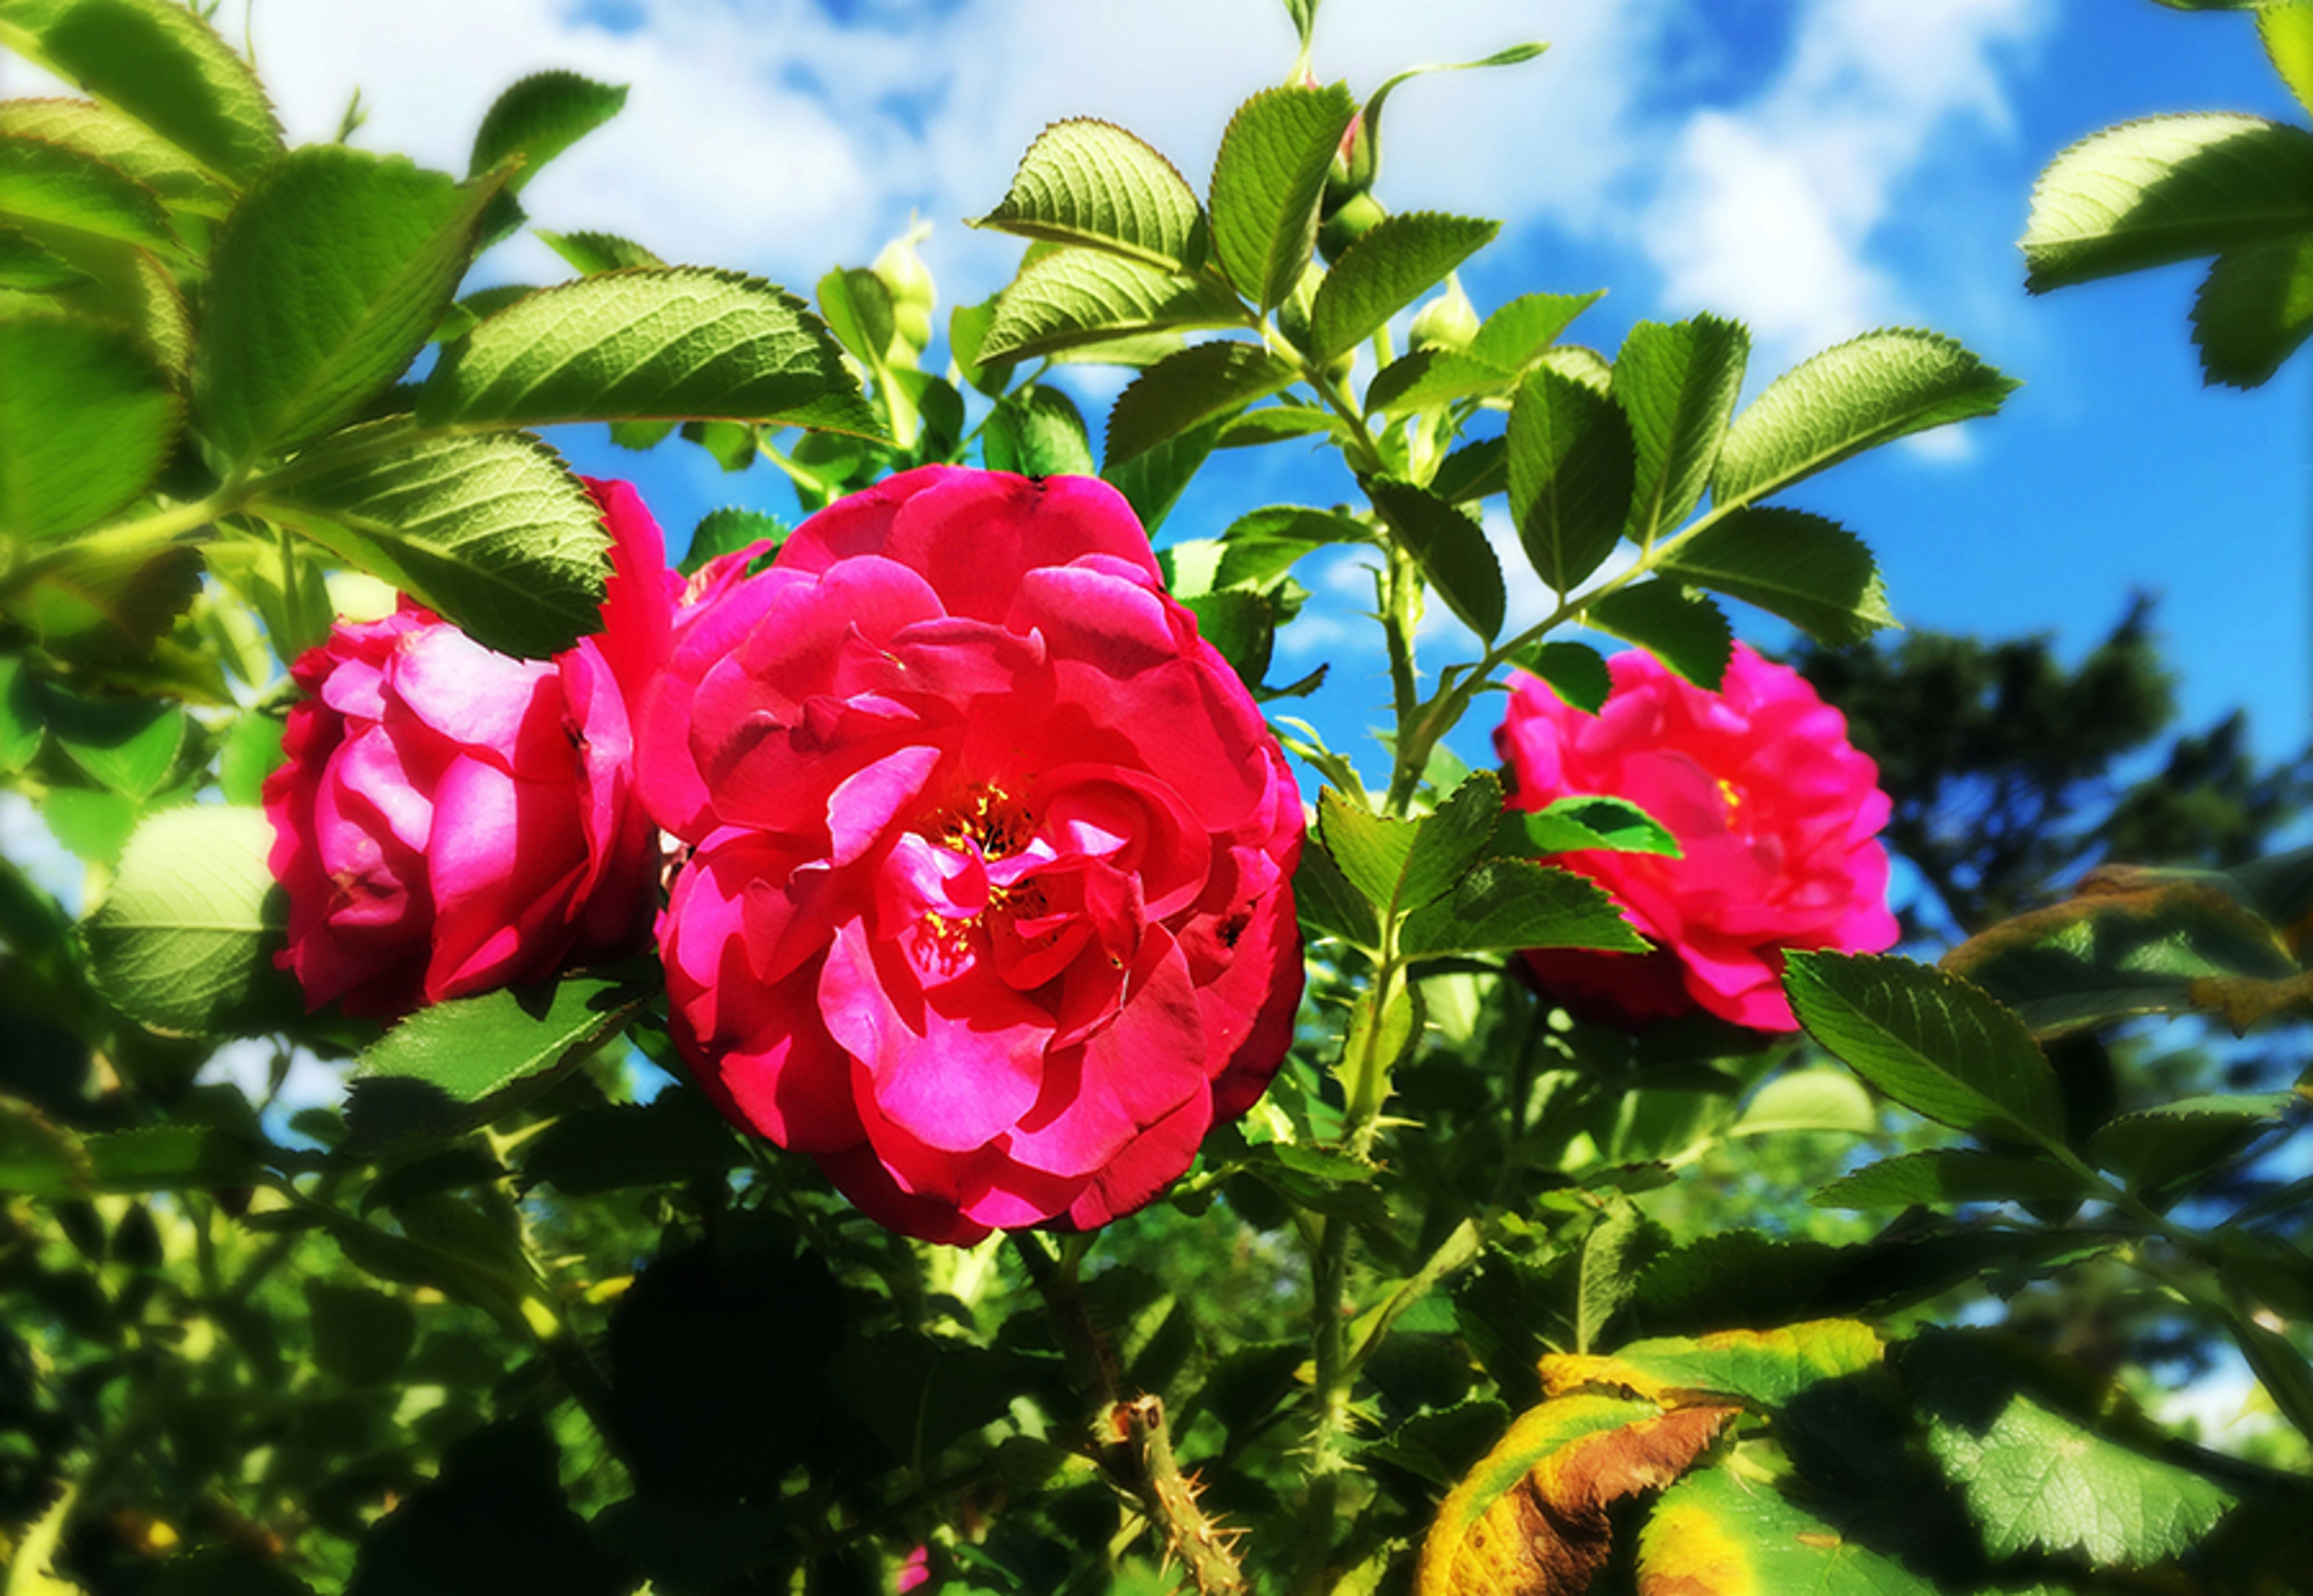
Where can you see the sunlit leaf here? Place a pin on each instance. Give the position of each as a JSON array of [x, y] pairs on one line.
[[86, 420], [2254, 309], [1715, 1534], [1266, 184], [185, 940], [1944, 1175], [1506, 905], [1393, 264], [1572, 462], [1810, 571], [1678, 384], [1089, 182], [59, 186]]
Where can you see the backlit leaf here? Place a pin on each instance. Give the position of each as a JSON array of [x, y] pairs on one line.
[[1810, 571], [2287, 34], [1583, 822], [1396, 261], [86, 421], [1678, 384], [1086, 181], [1513, 336], [1185, 390], [589, 253], [1266, 184], [1507, 905], [1684, 630], [1820, 1101], [1038, 431], [169, 1158], [115, 139], [1766, 1368], [538, 118], [1371, 849], [63, 187], [2254, 309], [1450, 839], [1944, 1175], [1451, 548], [1715, 1534], [1571, 462], [185, 940]]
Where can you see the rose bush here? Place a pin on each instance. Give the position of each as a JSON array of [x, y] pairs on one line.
[[989, 904], [1777, 818], [449, 819]]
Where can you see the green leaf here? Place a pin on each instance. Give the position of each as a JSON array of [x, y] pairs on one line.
[[1397, 261], [1571, 463], [59, 186], [128, 745], [1371, 849], [2184, 1138], [1810, 571], [29, 267], [1867, 391], [590, 254], [1266, 181], [1828, 1102], [537, 118], [323, 285], [1038, 431], [1241, 624], [2254, 309], [169, 1158], [1450, 840], [682, 343], [1678, 385], [1506, 905], [1712, 1532], [1515, 336], [1573, 671], [1574, 824], [185, 940], [1768, 1368], [2286, 31], [1086, 182], [118, 142], [2166, 188], [728, 530], [674, 1137], [1927, 1039], [1614, 1251], [362, 1336], [86, 421], [1947, 1176], [2034, 1479], [161, 65], [1329, 905], [1451, 548], [1187, 390], [1432, 379], [1278, 424], [1684, 630], [1263, 545], [1072, 298], [490, 531], [39, 1159], [1153, 480], [858, 307], [460, 1064]]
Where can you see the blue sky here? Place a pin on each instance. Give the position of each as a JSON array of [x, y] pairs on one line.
[[1815, 167]]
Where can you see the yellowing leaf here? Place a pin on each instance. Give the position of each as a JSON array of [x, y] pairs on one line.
[[1715, 1535], [1766, 1367], [1531, 1519]]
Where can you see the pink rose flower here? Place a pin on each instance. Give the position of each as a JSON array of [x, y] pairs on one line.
[[988, 905], [449, 819], [1775, 810]]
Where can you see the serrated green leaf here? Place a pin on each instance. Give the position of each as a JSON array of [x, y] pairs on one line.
[[1574, 824], [1683, 630], [1242, 626], [1072, 298], [1371, 849], [1278, 424], [1393, 264], [59, 186], [682, 343], [1153, 480], [96, 602], [1809, 570], [118, 141], [1364, 155], [2254, 309], [164, 67], [857, 308], [1428, 379], [537, 118], [184, 942], [1614, 1251], [2182, 1138], [1767, 1368], [590, 254], [451, 1066], [2286, 31], [1451, 548], [1515, 336], [128, 745], [299, 334], [1944, 1175], [1867, 391], [1927, 1039], [1263, 545], [86, 421], [1820, 1101], [28, 265], [1266, 181], [1573, 671], [1187, 390], [1038, 431], [1507, 905], [1329, 905], [1086, 182], [728, 530], [1715, 1534], [1678, 384], [2165, 188], [490, 531], [2035, 1479], [1571, 464], [169, 1158], [1450, 839]]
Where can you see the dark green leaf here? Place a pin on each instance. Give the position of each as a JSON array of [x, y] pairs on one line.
[[1573, 671], [489, 531], [1430, 378], [1038, 431], [674, 1137], [1946, 1176], [1678, 385], [2253, 311], [1077, 298], [1450, 840], [1685, 631], [164, 67], [1507, 905], [1571, 462], [1810, 571], [362, 1336], [1394, 263], [1329, 905], [326, 282], [682, 343], [1570, 825], [1867, 391], [1451, 548], [1614, 1251], [185, 940], [29, 265], [169, 1158], [86, 421], [55, 185], [99, 602], [126, 744], [39, 1159], [1927, 1039], [1473, 471], [2184, 1138], [1187, 390], [2166, 188], [460, 1062], [1266, 184], [1153, 480], [1088, 182], [1241, 624]]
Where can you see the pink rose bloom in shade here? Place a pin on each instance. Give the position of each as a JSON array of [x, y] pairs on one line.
[[988, 905], [1777, 814], [449, 819]]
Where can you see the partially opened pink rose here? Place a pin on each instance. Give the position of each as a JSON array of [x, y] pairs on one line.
[[449, 819], [989, 907], [1776, 812]]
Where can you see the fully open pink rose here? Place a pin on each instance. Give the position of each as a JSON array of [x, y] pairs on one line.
[[450, 820], [988, 905], [1775, 810]]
